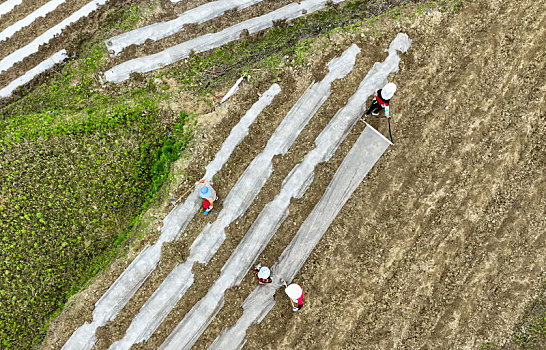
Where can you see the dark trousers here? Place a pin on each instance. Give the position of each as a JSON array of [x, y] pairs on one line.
[[375, 107]]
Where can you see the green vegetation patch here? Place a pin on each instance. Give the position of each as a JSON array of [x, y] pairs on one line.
[[77, 169], [125, 19], [79, 164], [531, 333]]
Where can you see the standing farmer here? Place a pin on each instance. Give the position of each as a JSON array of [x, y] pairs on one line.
[[208, 194], [295, 293], [381, 100]]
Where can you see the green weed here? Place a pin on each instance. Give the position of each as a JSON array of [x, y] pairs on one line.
[[78, 169], [125, 19]]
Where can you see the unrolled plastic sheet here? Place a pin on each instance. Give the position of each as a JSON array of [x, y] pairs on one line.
[[364, 154], [174, 224], [235, 204]]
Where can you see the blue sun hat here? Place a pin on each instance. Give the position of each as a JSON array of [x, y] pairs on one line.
[[205, 192]]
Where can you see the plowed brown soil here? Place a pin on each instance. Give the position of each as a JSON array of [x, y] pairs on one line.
[[442, 246], [19, 12]]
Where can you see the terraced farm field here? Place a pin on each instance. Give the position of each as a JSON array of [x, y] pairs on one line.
[[426, 231]]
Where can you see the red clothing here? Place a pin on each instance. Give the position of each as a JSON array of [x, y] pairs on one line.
[[382, 102], [300, 300], [206, 203]]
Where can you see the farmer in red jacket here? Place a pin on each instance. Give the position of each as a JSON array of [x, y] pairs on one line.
[[208, 194], [381, 100], [295, 293]]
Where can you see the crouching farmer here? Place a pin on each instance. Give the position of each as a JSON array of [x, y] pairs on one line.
[[208, 194], [262, 274], [295, 293]]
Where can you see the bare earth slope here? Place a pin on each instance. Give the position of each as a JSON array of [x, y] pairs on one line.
[[443, 245]]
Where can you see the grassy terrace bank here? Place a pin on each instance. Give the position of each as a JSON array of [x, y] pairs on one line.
[[78, 167], [80, 164]]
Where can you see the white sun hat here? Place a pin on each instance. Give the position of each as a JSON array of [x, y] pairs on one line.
[[264, 272], [388, 90], [293, 291]]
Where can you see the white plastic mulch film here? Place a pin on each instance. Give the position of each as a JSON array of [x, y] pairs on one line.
[[18, 55], [56, 58], [40, 12], [174, 224], [207, 42], [8, 5], [160, 30], [363, 155], [235, 204]]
